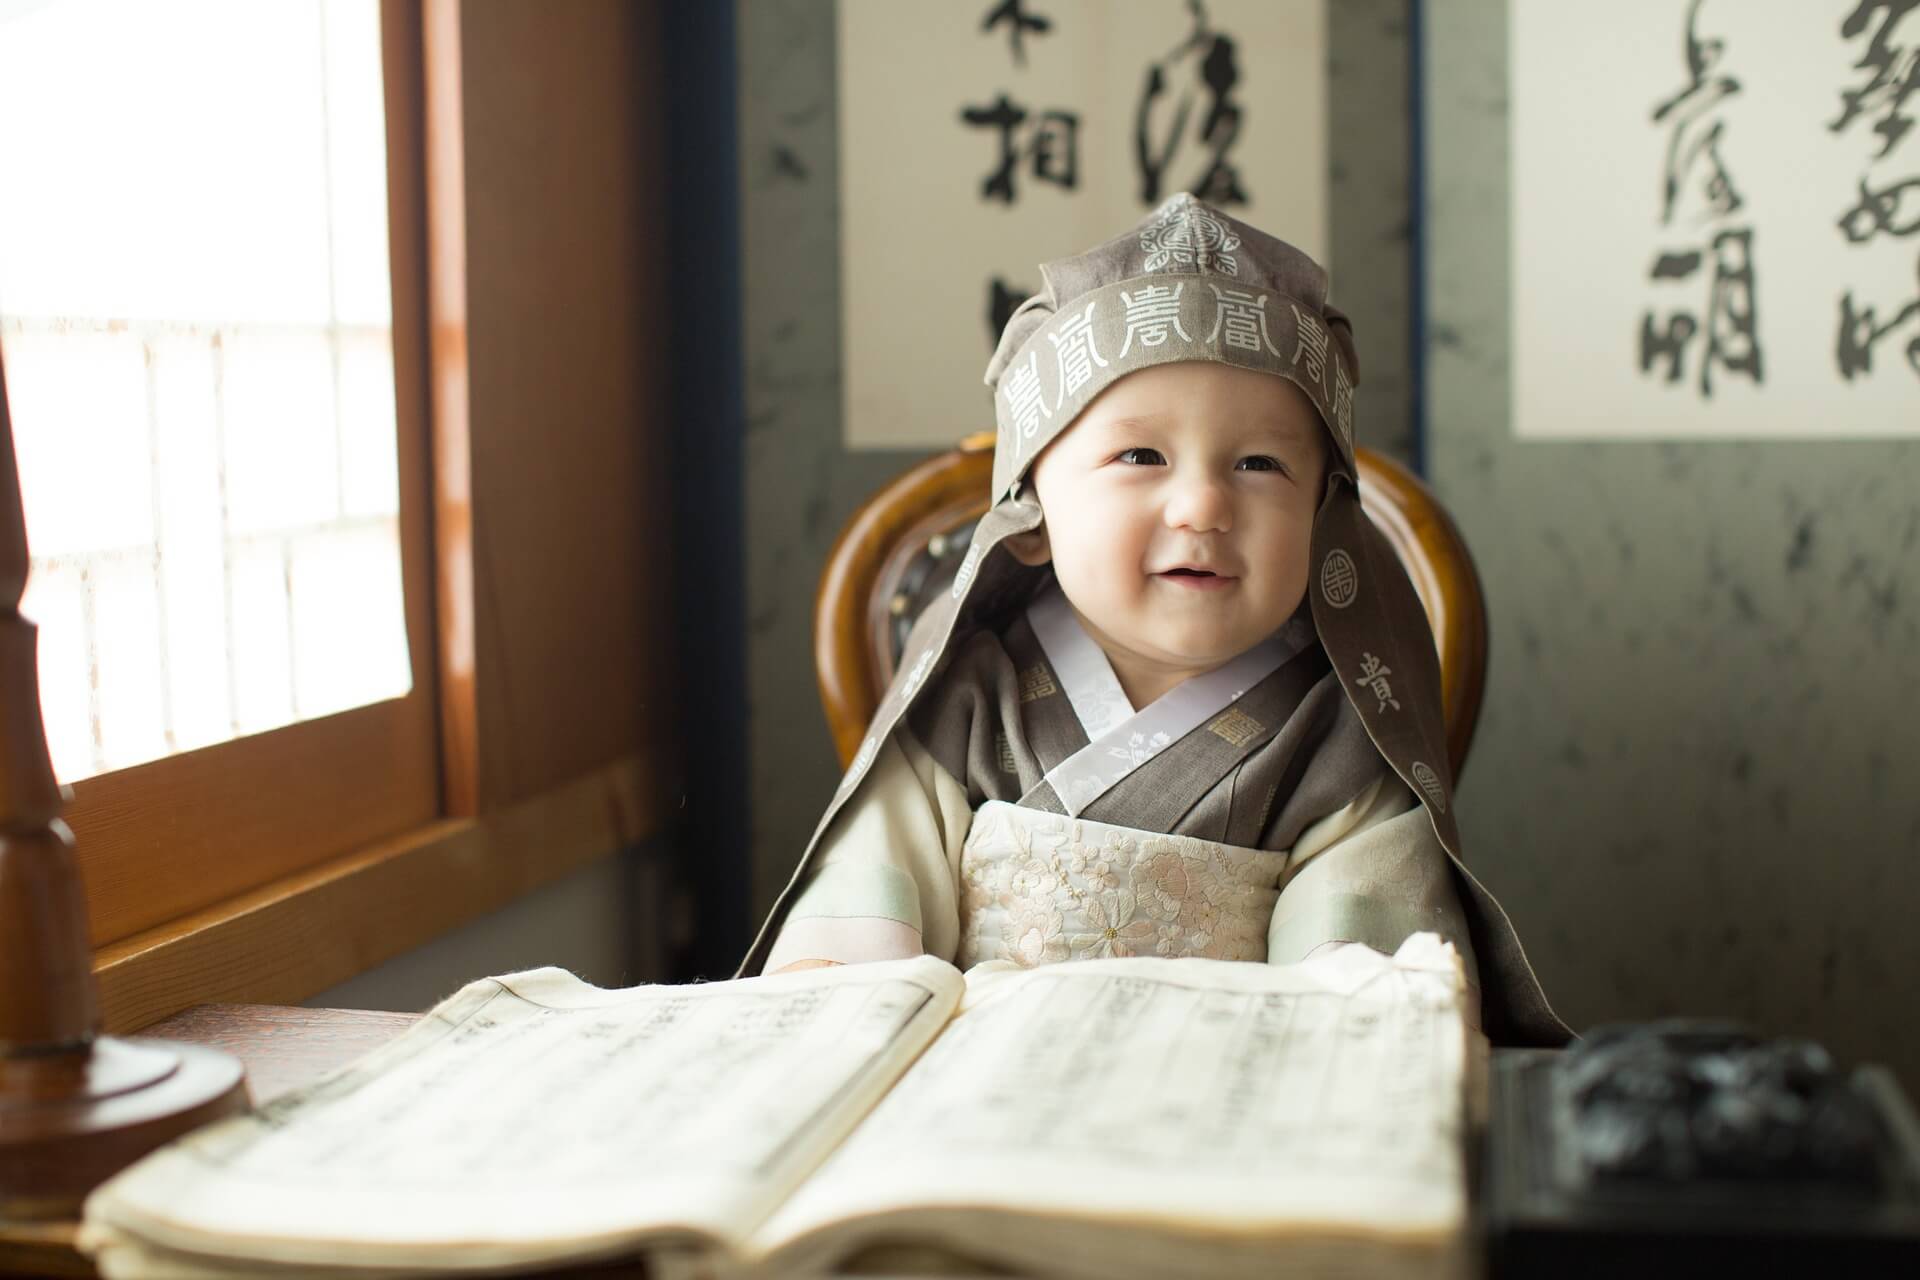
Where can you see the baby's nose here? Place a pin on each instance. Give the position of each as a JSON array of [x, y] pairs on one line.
[[1201, 504]]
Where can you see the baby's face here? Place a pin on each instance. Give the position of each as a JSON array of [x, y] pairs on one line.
[[1179, 509]]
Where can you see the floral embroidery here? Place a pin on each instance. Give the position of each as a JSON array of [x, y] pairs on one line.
[[1034, 939], [1036, 880], [1162, 879], [1199, 915], [1038, 888], [1114, 929], [1091, 868], [1117, 846]]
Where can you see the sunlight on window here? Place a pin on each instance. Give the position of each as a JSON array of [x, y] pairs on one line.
[[196, 320]]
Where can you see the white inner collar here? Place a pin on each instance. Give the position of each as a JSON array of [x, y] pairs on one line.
[[1119, 738], [1080, 663]]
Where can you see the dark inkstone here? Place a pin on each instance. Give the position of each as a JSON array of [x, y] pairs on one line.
[[1684, 1101], [1688, 1147]]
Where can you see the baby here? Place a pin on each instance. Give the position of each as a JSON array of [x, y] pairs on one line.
[[1181, 700]]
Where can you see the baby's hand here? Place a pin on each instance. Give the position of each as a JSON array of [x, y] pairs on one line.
[[806, 964]]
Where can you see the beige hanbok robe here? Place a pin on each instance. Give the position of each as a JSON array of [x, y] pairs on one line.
[[1269, 828]]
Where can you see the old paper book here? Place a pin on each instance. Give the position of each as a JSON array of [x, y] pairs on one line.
[[1097, 1118]]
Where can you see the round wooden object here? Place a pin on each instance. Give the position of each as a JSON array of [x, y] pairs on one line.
[[69, 1121]]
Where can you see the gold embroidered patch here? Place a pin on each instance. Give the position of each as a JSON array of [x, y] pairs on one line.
[[1004, 750], [1037, 682], [1236, 727]]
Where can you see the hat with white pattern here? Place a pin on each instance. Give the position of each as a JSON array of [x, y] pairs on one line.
[[1193, 283]]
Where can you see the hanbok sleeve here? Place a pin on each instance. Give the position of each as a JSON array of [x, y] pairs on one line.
[[883, 882], [1370, 872]]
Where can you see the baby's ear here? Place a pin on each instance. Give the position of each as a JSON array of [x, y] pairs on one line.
[[1031, 549]]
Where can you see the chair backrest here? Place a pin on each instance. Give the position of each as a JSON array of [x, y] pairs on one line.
[[904, 544]]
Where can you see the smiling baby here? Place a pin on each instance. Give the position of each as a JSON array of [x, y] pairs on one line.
[[1182, 700]]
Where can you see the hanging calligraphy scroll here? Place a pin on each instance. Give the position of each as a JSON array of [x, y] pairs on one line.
[[978, 139], [1716, 219]]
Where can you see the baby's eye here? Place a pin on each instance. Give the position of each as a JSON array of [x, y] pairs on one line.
[[1259, 462], [1142, 457]]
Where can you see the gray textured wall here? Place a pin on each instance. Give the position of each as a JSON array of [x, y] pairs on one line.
[[801, 484], [1368, 192], [604, 922], [1693, 784]]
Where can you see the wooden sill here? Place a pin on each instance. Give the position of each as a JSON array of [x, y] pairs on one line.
[[299, 935]]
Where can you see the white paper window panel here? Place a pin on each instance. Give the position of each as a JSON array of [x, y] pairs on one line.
[[195, 314]]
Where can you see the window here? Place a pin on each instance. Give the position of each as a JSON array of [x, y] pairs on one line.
[[218, 407], [196, 317]]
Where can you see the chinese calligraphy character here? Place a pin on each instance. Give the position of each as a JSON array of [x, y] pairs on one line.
[[1877, 210], [1053, 146], [1150, 313], [1209, 58], [1312, 344], [1731, 322], [1731, 328], [1373, 677], [1895, 68], [1026, 404], [1342, 401], [1895, 76], [1020, 22], [1073, 346], [1690, 107], [1243, 318], [1861, 331]]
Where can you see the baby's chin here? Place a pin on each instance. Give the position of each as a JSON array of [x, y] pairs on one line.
[[1190, 649]]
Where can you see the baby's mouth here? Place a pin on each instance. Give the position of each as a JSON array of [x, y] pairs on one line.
[[1195, 578]]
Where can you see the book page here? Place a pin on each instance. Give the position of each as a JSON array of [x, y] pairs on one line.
[[1202, 1095], [534, 1115]]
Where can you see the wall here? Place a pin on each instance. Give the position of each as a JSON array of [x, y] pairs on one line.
[[801, 484], [600, 922], [1692, 785]]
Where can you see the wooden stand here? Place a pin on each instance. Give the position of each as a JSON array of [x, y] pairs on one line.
[[75, 1106]]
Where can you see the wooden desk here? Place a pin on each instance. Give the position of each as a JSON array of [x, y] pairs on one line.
[[282, 1049]]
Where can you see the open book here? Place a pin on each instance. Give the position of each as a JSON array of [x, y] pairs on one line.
[[1096, 1118]]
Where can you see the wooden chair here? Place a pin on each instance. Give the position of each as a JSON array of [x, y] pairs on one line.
[[905, 542]]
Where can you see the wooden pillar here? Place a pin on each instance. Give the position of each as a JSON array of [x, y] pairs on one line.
[[75, 1106]]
